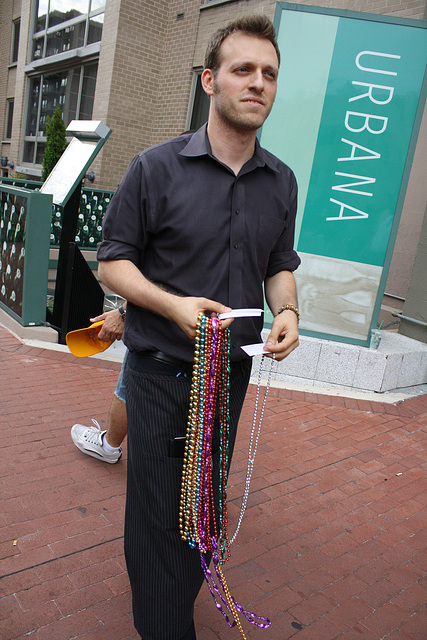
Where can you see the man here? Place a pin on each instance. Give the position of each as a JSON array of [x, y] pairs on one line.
[[106, 445], [197, 224]]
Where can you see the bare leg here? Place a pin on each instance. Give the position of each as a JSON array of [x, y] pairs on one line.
[[117, 428]]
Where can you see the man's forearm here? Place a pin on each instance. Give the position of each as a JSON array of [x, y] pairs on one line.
[[280, 290], [125, 279]]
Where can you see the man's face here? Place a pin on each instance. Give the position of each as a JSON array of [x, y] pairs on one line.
[[244, 87]]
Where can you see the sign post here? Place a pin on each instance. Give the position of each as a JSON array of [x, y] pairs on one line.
[[65, 183]]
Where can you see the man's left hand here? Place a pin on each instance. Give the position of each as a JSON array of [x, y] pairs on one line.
[[283, 338], [113, 326]]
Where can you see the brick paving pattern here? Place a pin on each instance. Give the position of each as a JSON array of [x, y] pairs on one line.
[[333, 544]]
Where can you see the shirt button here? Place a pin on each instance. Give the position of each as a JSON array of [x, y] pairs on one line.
[[237, 212], [236, 246]]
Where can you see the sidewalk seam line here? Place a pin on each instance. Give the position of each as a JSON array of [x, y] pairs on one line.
[[66, 555]]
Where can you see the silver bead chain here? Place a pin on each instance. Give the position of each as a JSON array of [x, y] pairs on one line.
[[253, 442]]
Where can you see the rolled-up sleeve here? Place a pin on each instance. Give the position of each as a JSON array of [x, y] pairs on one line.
[[284, 257], [124, 224]]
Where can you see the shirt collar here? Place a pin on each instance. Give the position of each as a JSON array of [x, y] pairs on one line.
[[199, 145]]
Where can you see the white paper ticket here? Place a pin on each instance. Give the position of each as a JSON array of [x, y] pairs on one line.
[[240, 313], [256, 349]]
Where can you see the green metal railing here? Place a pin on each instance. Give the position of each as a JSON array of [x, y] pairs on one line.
[[24, 253], [93, 204]]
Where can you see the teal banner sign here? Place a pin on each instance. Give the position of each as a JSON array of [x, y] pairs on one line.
[[348, 109]]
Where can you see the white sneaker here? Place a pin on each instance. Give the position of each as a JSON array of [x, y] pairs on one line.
[[89, 440]]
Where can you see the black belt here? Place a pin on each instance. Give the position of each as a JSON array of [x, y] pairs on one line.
[[163, 357]]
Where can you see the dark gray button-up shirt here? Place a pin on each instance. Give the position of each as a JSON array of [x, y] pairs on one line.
[[195, 228]]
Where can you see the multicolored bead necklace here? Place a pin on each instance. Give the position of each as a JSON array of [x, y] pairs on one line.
[[209, 402]]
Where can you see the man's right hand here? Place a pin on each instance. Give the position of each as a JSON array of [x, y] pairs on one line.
[[185, 312]]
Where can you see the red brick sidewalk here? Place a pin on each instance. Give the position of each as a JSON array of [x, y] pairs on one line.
[[333, 543]]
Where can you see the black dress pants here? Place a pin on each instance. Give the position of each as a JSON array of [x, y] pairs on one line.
[[165, 573], [190, 635]]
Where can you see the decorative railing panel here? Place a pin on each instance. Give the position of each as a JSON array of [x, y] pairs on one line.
[[12, 255], [24, 253]]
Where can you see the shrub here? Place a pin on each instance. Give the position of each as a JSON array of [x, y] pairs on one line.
[[56, 142]]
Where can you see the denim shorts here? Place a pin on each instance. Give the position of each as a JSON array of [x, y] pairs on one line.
[[120, 388]]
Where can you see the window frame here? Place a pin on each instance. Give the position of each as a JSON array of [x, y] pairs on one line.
[[14, 49], [196, 88], [48, 31], [210, 3], [10, 106], [41, 139]]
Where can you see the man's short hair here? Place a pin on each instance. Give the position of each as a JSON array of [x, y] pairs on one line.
[[258, 26]]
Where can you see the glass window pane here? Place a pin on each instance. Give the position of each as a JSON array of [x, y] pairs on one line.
[[95, 28], [54, 87], [97, 4], [15, 40], [62, 10], [28, 152], [41, 146], [38, 45], [53, 45], [33, 107], [69, 38], [41, 12], [200, 106], [88, 92], [69, 108], [9, 118]]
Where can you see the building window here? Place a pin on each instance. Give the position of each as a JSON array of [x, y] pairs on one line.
[[199, 108], [205, 2], [15, 41], [72, 90], [9, 118], [63, 25]]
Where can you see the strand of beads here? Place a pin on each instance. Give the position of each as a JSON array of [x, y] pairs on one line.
[[224, 419], [211, 389], [253, 442]]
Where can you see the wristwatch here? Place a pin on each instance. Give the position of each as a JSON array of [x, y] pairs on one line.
[[122, 312]]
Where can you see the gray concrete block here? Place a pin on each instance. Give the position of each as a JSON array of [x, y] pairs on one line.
[[391, 372], [370, 370], [337, 363], [410, 372], [303, 361]]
